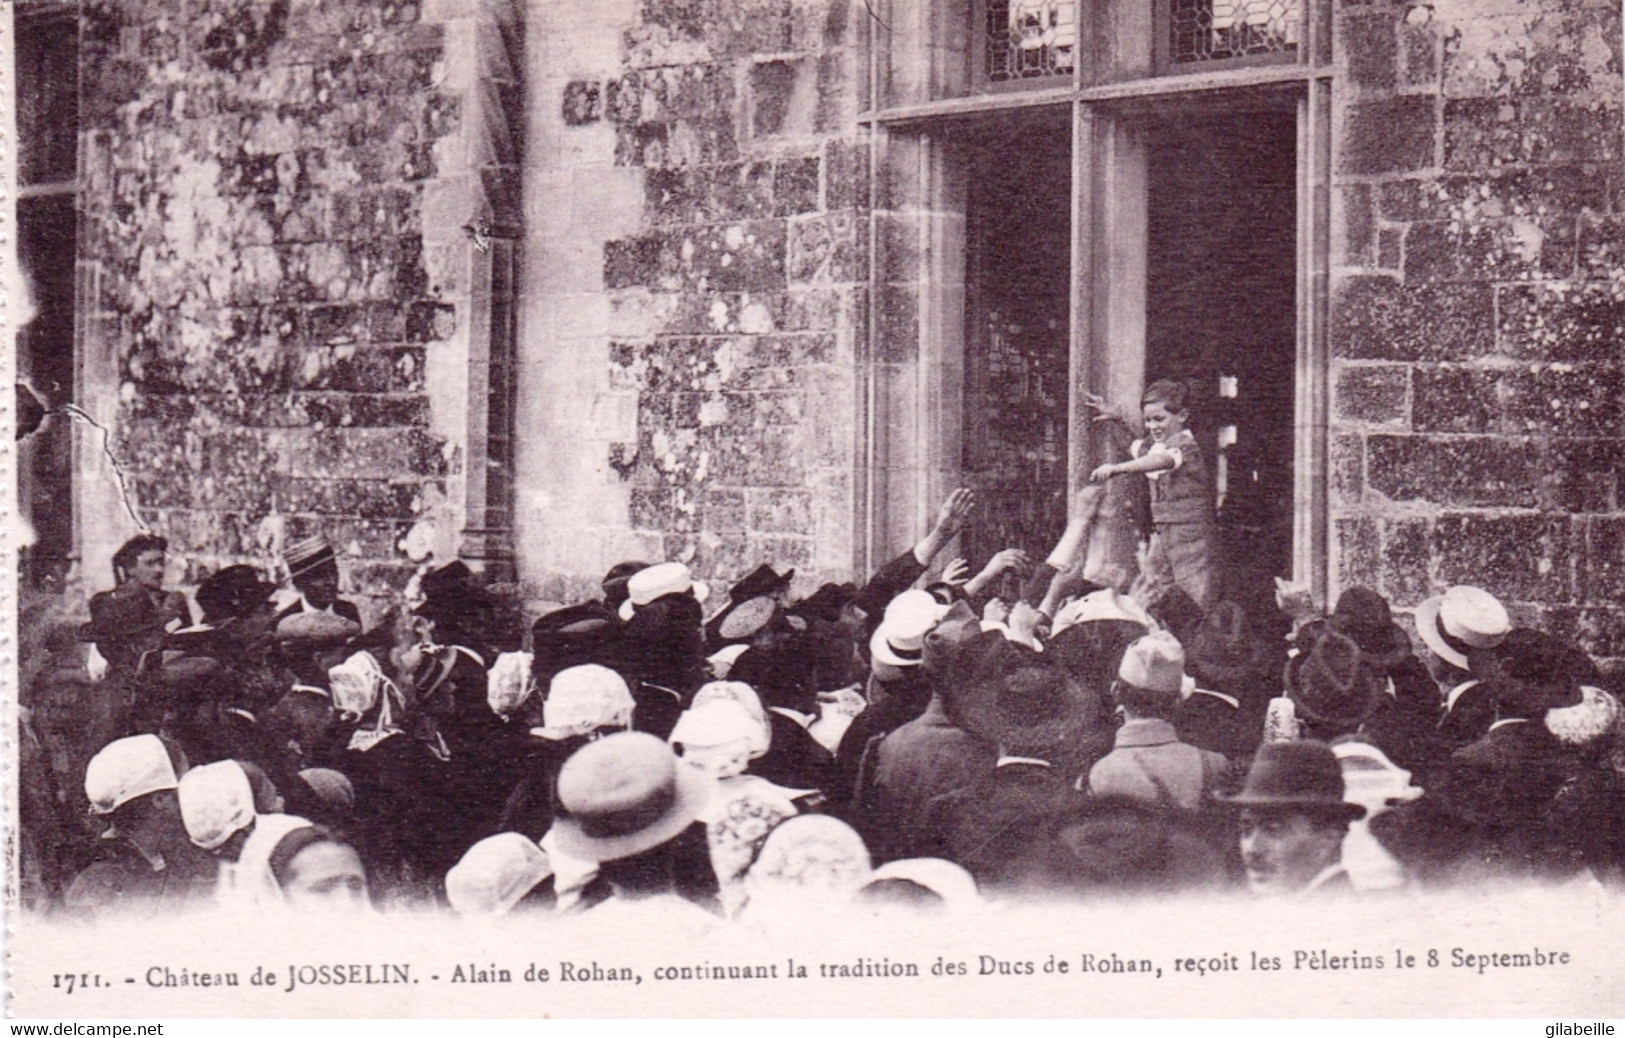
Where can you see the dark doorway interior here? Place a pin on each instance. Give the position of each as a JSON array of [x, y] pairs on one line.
[[1220, 314], [1018, 247], [47, 62]]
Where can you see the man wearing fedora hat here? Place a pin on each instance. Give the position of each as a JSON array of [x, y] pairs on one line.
[[1025, 706], [313, 569], [1293, 817]]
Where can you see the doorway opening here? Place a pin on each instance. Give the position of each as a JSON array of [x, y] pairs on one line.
[[1221, 312], [1018, 228]]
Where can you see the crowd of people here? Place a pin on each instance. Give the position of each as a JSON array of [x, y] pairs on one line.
[[1028, 731]]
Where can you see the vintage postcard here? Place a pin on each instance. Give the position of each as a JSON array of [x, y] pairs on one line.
[[713, 508]]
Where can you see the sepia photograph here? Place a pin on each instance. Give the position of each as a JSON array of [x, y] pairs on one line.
[[614, 508]]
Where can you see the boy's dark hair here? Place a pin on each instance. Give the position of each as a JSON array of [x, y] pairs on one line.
[[132, 549], [1167, 392]]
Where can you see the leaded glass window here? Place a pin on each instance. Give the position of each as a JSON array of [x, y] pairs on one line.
[[1216, 30], [1030, 39]]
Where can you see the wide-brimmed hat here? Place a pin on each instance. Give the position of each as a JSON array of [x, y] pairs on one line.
[[1225, 651], [900, 639], [1329, 684], [741, 619], [125, 769], [763, 580], [233, 591], [1364, 616], [658, 581], [625, 794], [1462, 620], [1532, 674], [450, 591], [303, 556], [827, 602], [1021, 701], [216, 800], [1302, 775], [495, 874], [1104, 604]]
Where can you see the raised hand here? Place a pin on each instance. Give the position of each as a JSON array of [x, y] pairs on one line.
[[956, 572], [1106, 411], [951, 517]]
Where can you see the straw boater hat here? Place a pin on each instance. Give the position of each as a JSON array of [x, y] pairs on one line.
[[125, 769], [303, 556], [900, 638], [1302, 775], [653, 582], [1461, 620], [625, 794]]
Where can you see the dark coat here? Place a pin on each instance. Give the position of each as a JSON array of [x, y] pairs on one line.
[[1210, 723], [924, 759], [794, 758], [897, 703], [978, 827], [1491, 811]]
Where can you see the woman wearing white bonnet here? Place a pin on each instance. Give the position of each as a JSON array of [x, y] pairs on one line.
[[496, 874], [721, 735], [809, 867]]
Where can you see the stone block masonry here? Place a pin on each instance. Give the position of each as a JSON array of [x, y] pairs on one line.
[[1478, 309], [274, 274], [704, 154]]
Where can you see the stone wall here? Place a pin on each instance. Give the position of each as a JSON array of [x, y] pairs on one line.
[[696, 247], [274, 283], [1478, 308]]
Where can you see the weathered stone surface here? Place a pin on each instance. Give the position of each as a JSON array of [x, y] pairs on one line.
[[1393, 135], [1585, 475], [1357, 546], [1369, 45], [1602, 573], [1457, 471], [1381, 318], [1584, 400], [1457, 399], [1406, 561], [1520, 558], [1562, 322], [1374, 394]]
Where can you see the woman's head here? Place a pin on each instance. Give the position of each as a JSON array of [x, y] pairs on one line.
[[1163, 408]]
